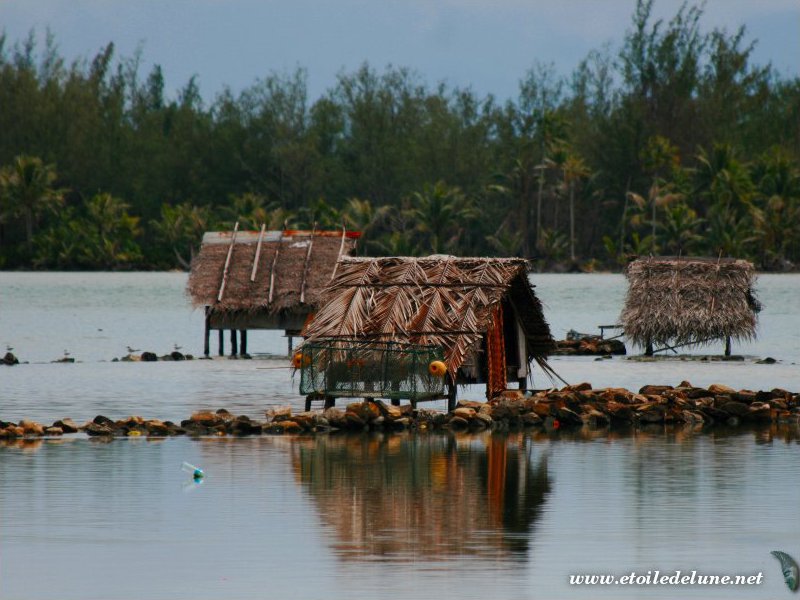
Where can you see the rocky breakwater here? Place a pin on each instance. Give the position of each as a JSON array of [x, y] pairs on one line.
[[589, 346], [570, 407]]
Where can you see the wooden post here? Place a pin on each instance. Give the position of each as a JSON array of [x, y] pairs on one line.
[[728, 346], [234, 348], [289, 348], [221, 343], [206, 345], [243, 342], [451, 394]]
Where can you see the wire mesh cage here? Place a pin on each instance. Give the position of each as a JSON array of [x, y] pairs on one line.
[[365, 369]]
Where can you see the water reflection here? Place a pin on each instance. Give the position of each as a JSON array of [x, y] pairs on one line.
[[435, 496]]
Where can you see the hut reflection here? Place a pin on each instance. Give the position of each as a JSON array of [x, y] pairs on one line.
[[411, 497]]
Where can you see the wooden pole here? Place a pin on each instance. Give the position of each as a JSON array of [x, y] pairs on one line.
[[258, 252], [305, 266], [243, 344], [289, 350], [234, 349], [227, 263], [728, 346], [221, 343], [206, 345]]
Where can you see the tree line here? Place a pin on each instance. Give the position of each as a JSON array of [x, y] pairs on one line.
[[672, 143]]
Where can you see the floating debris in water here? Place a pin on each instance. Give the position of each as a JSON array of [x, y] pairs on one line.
[[197, 472]]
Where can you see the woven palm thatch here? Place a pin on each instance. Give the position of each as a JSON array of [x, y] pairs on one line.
[[303, 266], [436, 300], [689, 301]]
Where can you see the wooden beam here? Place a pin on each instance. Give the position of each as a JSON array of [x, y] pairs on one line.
[[341, 249], [227, 263], [258, 252], [272, 268], [306, 265]]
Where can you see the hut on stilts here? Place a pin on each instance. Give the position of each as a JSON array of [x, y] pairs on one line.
[[263, 280], [480, 315], [678, 301]]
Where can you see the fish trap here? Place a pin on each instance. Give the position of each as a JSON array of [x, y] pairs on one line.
[[356, 369]]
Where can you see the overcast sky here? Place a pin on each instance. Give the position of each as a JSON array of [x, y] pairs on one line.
[[484, 44]]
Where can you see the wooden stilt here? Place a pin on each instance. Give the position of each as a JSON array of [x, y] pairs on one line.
[[728, 346], [243, 343], [206, 344], [451, 395], [221, 343], [234, 349]]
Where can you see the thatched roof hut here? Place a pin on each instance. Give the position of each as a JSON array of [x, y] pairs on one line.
[[265, 280], [482, 311], [689, 301]]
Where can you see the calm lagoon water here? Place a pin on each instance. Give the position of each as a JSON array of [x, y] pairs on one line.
[[428, 516]]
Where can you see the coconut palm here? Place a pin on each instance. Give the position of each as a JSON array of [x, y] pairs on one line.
[[441, 214], [181, 229], [111, 232], [657, 197], [573, 169], [26, 191], [679, 229]]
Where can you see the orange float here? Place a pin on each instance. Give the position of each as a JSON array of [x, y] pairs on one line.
[[301, 360], [437, 368]]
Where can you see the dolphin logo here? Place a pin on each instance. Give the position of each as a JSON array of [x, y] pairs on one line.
[[791, 572]]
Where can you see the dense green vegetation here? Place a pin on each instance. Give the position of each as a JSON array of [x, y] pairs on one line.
[[673, 143]]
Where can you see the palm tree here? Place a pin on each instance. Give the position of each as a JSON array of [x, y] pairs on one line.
[[441, 213], [26, 190], [679, 229], [574, 169], [181, 229], [111, 232]]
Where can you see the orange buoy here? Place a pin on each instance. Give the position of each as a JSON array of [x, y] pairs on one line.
[[437, 368], [301, 360]]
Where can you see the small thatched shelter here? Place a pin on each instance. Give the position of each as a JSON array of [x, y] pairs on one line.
[[264, 280], [481, 311], [676, 301]]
